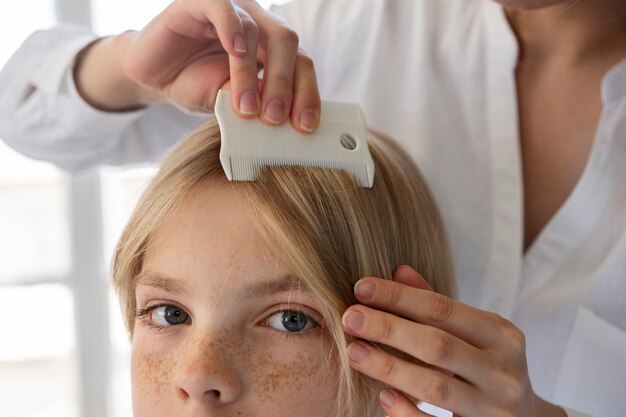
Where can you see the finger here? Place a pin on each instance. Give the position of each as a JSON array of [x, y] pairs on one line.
[[406, 275], [224, 16], [305, 111], [194, 92], [243, 73], [397, 405], [427, 343], [279, 49], [419, 382], [478, 327]]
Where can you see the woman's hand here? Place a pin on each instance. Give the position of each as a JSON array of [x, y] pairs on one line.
[[479, 357], [194, 48]]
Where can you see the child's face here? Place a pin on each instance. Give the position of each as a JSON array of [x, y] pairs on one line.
[[222, 331]]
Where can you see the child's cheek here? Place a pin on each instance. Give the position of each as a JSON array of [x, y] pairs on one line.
[[283, 379], [293, 383], [152, 374]]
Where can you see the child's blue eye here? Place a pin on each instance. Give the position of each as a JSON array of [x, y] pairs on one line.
[[168, 316], [290, 321]]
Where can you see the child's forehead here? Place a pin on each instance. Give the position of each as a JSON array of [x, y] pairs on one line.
[[209, 214], [210, 234]]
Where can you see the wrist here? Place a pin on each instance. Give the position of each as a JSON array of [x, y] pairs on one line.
[[101, 80]]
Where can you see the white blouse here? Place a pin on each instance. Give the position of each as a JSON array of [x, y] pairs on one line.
[[438, 76]]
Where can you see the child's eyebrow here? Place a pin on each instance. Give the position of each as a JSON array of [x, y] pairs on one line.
[[286, 283], [162, 282]]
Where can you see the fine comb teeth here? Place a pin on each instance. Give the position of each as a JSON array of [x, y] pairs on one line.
[[339, 143]]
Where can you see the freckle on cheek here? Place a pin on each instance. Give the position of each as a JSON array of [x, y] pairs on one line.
[[287, 383], [152, 373], [282, 383]]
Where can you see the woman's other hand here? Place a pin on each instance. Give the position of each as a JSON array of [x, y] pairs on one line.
[[479, 358], [195, 47]]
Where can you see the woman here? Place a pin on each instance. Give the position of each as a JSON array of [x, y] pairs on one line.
[[233, 292], [512, 109]]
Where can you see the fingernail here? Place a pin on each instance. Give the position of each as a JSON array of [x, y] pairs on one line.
[[387, 398], [275, 111], [249, 103], [308, 120], [354, 320], [364, 289], [358, 352], [240, 44]]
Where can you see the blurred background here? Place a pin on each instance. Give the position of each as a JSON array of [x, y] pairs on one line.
[[63, 347]]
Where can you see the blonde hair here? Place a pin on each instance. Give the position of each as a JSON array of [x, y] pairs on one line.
[[331, 232]]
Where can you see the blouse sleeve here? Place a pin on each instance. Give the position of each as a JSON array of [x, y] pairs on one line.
[[44, 117]]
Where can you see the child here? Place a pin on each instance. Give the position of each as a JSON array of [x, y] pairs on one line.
[[233, 291]]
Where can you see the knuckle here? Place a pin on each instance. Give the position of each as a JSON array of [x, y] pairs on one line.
[[500, 360], [437, 390], [384, 330], [243, 72], [441, 309], [496, 318], [393, 295], [501, 322], [250, 28], [281, 81], [305, 61], [513, 389], [387, 368], [514, 336], [441, 349], [287, 36], [230, 15]]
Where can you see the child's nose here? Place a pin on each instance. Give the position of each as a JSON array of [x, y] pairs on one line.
[[208, 372]]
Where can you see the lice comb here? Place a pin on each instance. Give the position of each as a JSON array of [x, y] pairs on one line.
[[339, 143]]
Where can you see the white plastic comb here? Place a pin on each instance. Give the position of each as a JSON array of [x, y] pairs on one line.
[[339, 142]]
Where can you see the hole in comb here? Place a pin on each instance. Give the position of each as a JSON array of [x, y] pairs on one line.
[[347, 142]]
